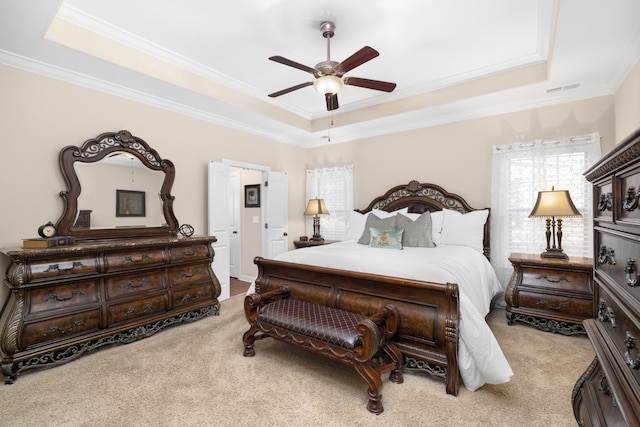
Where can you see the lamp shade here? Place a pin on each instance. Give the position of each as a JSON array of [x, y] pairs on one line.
[[328, 84], [316, 207], [554, 203]]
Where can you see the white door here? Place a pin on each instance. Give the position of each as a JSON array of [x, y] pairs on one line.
[[218, 223], [276, 189], [234, 225]]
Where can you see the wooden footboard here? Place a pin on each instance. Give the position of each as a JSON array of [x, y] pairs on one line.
[[428, 331]]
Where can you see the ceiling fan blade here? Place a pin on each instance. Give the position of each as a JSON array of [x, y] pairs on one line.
[[332, 101], [293, 64], [291, 89], [370, 84], [360, 57]]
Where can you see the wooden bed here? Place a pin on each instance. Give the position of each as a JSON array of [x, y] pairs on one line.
[[429, 312]]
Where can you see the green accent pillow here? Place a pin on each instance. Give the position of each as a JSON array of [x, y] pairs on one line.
[[391, 239], [375, 222], [416, 233]]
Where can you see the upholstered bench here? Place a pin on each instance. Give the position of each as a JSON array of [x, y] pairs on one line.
[[343, 336]]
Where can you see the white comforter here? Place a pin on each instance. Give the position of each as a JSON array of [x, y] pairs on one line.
[[480, 357]]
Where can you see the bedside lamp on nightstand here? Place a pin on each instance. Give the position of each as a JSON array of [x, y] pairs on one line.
[[316, 207], [553, 205]]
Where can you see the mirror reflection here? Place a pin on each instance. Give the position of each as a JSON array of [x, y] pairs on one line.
[[118, 191]]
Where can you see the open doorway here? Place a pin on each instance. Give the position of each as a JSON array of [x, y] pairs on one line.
[[270, 235]]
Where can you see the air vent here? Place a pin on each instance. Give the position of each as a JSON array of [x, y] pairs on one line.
[[561, 88]]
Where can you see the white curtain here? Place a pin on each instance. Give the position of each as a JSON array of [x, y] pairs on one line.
[[522, 169], [335, 186]]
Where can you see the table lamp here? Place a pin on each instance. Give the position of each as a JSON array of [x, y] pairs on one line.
[[553, 205], [316, 207]]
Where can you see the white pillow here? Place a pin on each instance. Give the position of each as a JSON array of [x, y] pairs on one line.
[[464, 229], [437, 219], [356, 225], [384, 214]]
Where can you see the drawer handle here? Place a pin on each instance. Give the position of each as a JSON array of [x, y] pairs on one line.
[[560, 306], [135, 261], [606, 315], [601, 385], [607, 256], [629, 270], [59, 299], [606, 202], [631, 201], [132, 310], [630, 343], [57, 329], [558, 280], [194, 273], [188, 253], [188, 297], [56, 267], [130, 284]]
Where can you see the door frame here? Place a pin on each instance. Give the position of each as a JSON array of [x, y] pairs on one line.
[[265, 173]]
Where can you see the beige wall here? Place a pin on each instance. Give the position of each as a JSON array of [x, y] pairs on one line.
[[627, 104], [457, 156]]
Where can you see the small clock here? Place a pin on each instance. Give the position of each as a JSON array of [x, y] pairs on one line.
[[47, 230]]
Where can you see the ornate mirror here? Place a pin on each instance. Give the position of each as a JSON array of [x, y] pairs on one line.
[[117, 187]]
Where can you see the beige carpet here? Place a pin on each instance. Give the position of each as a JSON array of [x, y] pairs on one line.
[[195, 375]]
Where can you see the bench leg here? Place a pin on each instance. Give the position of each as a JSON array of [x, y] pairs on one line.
[[396, 358], [248, 339], [372, 378]]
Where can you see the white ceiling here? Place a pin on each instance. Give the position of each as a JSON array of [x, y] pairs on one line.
[[451, 60]]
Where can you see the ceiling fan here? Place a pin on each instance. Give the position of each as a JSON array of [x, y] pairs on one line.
[[329, 74]]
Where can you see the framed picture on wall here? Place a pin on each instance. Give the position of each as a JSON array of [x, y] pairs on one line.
[[252, 196], [130, 203]]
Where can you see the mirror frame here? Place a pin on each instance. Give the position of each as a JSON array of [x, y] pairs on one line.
[[96, 149]]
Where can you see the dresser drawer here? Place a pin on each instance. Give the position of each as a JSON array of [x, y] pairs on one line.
[[62, 296], [131, 284], [184, 275], [60, 328], [619, 258], [622, 328], [134, 259], [569, 305], [189, 253], [557, 280], [126, 312], [596, 400], [193, 295], [63, 267]]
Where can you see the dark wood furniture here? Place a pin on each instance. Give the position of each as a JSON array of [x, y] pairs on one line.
[[308, 243], [429, 312], [112, 285], [346, 337], [553, 295], [608, 393]]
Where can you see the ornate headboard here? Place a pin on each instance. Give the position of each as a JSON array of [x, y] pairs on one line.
[[422, 197]]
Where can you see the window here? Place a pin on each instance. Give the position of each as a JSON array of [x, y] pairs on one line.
[[520, 170], [335, 186]]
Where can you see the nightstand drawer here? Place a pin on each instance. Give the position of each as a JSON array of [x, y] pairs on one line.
[[572, 306], [553, 279]]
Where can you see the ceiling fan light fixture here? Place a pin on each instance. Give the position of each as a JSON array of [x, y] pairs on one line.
[[328, 85]]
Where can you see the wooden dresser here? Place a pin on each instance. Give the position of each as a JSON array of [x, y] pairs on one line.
[[68, 300], [608, 393]]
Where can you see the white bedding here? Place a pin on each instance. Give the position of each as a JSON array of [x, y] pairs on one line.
[[481, 360]]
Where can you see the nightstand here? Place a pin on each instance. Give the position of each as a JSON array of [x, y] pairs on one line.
[[553, 295], [308, 243]]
